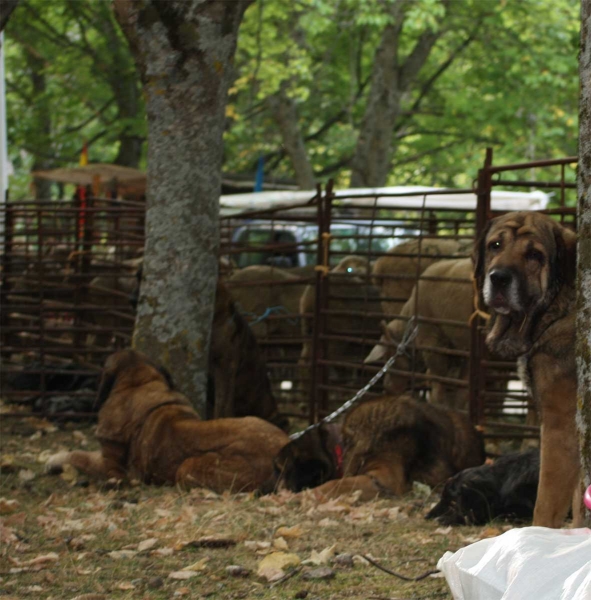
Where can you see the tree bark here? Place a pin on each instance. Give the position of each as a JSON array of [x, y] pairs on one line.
[[285, 113], [390, 81], [184, 50], [584, 251]]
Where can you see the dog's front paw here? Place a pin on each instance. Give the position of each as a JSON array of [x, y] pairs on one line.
[[55, 463]]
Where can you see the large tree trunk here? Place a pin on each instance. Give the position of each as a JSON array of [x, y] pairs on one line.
[[390, 81], [584, 250], [285, 113], [184, 50]]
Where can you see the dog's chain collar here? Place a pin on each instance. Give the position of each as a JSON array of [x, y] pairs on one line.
[[410, 333]]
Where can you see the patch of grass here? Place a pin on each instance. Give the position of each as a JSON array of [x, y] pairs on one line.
[[95, 534]]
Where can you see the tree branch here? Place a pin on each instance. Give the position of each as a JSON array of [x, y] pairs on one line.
[[92, 117], [419, 54], [428, 85]]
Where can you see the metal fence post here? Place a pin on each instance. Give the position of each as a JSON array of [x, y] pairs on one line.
[[476, 400]]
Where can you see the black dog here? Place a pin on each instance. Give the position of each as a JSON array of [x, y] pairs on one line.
[[507, 489]]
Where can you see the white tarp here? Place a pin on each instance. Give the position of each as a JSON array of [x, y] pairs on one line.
[[409, 197], [531, 563]]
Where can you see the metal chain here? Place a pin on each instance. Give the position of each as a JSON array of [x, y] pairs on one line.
[[410, 333]]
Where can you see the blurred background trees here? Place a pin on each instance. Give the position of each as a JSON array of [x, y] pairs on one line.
[[369, 92]]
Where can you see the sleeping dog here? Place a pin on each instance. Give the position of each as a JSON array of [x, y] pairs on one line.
[[151, 432], [507, 488]]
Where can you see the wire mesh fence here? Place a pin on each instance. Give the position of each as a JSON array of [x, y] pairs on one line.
[[327, 285]]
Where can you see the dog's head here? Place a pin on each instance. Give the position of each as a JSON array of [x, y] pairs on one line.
[[310, 460], [521, 262], [468, 498], [135, 367]]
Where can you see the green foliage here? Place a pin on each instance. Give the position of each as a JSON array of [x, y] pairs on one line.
[[514, 87], [75, 52]]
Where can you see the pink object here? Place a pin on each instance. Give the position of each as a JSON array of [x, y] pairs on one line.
[[587, 498]]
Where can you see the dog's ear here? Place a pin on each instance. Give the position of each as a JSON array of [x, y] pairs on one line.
[[566, 255], [478, 255], [164, 372]]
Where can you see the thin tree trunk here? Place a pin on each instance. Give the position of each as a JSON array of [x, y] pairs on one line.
[[584, 250], [124, 81], [184, 50], [42, 115], [285, 113]]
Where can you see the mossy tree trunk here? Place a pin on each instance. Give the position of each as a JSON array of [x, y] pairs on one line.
[[584, 250], [184, 50]]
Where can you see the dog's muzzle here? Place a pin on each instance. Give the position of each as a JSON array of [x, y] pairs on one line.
[[501, 291]]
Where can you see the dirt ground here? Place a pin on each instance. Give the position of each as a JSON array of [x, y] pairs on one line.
[[65, 537]]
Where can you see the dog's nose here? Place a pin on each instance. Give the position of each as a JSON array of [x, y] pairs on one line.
[[501, 278]]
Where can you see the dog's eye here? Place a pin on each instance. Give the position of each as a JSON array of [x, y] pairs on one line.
[[536, 255], [494, 245]]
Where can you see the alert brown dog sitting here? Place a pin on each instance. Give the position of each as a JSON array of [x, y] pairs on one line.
[[387, 443], [524, 267], [150, 432]]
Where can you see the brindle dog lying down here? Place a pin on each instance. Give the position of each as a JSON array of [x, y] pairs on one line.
[[387, 444], [150, 432], [505, 489]]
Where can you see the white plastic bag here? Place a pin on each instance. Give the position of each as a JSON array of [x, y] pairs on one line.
[[530, 563]]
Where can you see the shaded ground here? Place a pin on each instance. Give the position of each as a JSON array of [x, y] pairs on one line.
[[64, 537]]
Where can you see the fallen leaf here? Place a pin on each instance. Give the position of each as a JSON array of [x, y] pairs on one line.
[[44, 456], [162, 552], [290, 532], [272, 566], [122, 554], [323, 557], [25, 475], [146, 544], [360, 560], [42, 559], [69, 473], [333, 506], [7, 535], [182, 574], [126, 585], [280, 544], [254, 545], [200, 565], [90, 597], [443, 530]]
